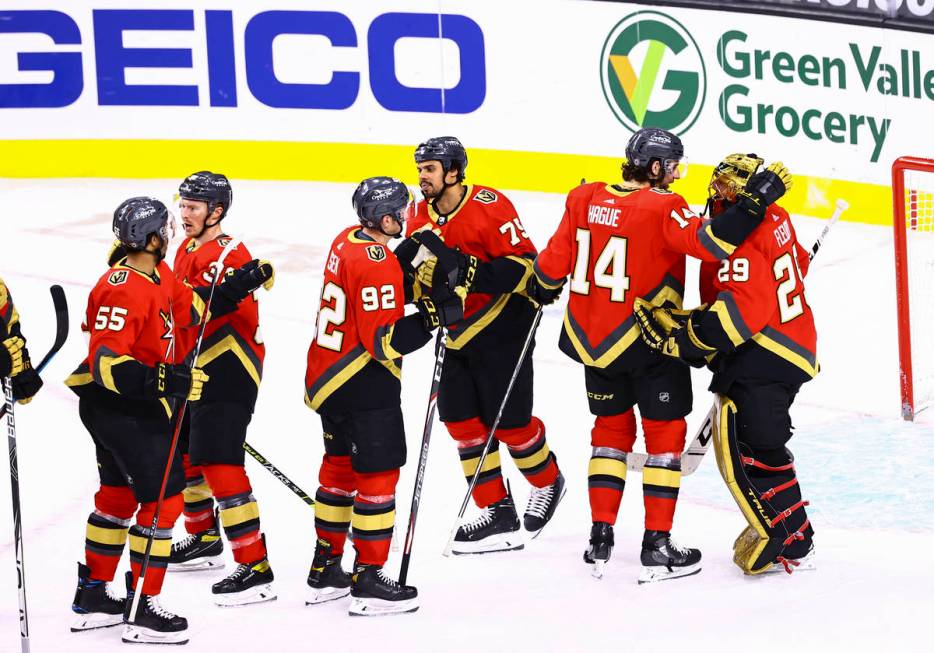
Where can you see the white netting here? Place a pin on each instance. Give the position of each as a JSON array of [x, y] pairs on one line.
[[919, 231]]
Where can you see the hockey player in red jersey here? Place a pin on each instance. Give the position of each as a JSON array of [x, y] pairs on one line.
[[232, 355], [14, 357], [353, 382], [127, 386], [758, 328], [495, 256], [618, 243]]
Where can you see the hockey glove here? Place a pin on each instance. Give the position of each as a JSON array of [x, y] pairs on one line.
[[11, 356], [765, 188], [26, 384], [459, 269], [670, 333], [406, 253], [179, 381], [248, 277], [540, 294], [442, 308]]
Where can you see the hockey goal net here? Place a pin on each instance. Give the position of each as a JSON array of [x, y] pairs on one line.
[[913, 205]]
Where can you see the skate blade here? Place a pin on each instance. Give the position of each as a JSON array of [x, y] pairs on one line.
[[258, 594], [534, 534], [95, 620], [656, 574], [492, 544], [133, 634], [323, 595], [599, 567], [381, 608], [201, 564]]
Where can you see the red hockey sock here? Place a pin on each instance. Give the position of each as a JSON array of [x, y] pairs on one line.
[[161, 543], [612, 438], [374, 514], [661, 476], [199, 502], [239, 511], [334, 501], [107, 530], [470, 436], [530, 452]]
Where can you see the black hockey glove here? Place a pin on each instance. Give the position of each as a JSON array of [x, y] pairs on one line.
[[248, 277], [11, 356], [670, 333], [454, 267], [406, 252], [540, 294], [179, 381], [764, 188], [442, 308], [27, 383]]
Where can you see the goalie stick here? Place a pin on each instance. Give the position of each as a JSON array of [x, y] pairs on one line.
[[61, 334], [694, 454]]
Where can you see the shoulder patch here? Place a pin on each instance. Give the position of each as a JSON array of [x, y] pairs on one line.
[[118, 277], [662, 191], [376, 253], [486, 196], [223, 241]]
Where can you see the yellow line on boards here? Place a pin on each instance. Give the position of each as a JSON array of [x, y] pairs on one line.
[[351, 162]]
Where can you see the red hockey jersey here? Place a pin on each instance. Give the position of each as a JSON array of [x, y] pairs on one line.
[[758, 306], [131, 319], [619, 243], [351, 363], [485, 225], [232, 351]]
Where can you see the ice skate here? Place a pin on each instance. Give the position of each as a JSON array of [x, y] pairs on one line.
[[601, 547], [153, 624], [198, 552], [496, 528], [375, 594], [327, 581], [542, 504], [662, 559], [95, 603], [250, 583]]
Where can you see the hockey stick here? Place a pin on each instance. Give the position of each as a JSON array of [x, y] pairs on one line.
[[144, 567], [489, 438], [440, 346], [61, 330], [279, 475], [61, 334], [694, 454], [842, 205]]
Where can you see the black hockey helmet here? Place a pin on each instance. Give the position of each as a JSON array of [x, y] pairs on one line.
[[651, 143], [137, 218], [206, 186], [446, 149], [379, 196]]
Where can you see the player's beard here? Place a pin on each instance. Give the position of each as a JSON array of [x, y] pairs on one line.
[[429, 192]]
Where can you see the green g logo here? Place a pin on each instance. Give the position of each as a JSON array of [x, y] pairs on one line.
[[668, 89]]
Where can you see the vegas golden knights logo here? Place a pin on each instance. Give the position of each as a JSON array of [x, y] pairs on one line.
[[118, 277], [376, 253], [486, 196]]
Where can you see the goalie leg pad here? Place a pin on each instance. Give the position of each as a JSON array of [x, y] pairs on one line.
[[764, 485]]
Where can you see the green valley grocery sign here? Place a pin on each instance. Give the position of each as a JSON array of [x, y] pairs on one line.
[[653, 73]]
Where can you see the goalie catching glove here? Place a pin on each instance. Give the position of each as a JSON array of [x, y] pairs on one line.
[[671, 332]]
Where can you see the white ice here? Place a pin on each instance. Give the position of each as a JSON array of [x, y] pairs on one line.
[[867, 474]]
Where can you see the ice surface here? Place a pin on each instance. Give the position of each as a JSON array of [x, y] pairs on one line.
[[867, 474]]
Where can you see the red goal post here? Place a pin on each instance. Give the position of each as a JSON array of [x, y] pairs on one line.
[[913, 222]]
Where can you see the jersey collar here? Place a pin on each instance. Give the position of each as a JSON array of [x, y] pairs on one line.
[[442, 220]]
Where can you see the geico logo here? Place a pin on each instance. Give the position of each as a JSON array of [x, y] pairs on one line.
[[112, 59], [599, 397]]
